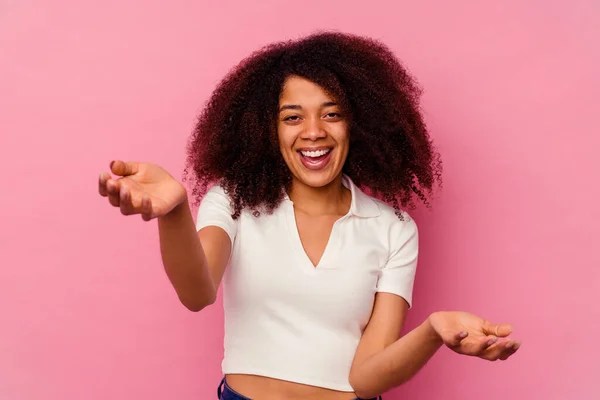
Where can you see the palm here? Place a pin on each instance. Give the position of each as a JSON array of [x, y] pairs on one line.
[[163, 191], [479, 336], [144, 189], [459, 322]]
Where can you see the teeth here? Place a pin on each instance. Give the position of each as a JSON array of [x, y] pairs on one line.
[[316, 153]]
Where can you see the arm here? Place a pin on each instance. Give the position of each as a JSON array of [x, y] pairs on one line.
[[384, 360], [194, 261]]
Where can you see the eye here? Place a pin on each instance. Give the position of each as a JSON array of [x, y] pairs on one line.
[[333, 116], [292, 118]]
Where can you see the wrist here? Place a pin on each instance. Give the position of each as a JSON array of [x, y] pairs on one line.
[[179, 210], [183, 199], [431, 331], [181, 207]]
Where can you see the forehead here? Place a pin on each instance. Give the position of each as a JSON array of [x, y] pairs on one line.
[[300, 90]]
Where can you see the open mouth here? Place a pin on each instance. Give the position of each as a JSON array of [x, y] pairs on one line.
[[315, 159]]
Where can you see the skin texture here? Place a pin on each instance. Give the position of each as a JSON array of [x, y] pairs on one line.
[[308, 115], [309, 118]]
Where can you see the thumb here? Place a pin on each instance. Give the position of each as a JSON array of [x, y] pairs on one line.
[[123, 168], [499, 330]]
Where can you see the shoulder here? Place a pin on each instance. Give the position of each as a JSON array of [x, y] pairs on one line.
[[217, 190], [396, 220], [215, 203], [366, 206], [216, 195], [397, 229]]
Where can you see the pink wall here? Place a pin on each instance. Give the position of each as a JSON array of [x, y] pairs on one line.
[[511, 87]]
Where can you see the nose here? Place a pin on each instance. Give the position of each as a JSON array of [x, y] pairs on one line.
[[314, 129]]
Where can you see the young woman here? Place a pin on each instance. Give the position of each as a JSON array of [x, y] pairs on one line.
[[304, 161]]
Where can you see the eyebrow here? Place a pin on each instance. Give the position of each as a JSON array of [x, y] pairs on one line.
[[298, 107]]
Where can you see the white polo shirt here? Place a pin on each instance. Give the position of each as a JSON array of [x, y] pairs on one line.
[[289, 320]]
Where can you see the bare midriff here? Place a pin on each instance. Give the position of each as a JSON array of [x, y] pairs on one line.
[[265, 388]]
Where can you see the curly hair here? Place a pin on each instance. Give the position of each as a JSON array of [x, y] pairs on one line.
[[391, 155]]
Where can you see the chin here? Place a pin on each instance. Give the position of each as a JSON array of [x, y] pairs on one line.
[[317, 179]]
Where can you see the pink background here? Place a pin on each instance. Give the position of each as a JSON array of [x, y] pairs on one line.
[[511, 89]]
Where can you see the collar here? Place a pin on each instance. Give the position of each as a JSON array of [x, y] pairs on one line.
[[361, 204]]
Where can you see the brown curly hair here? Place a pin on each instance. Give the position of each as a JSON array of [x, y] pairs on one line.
[[391, 155]]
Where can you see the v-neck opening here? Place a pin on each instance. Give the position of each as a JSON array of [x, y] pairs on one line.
[[296, 241], [299, 249]]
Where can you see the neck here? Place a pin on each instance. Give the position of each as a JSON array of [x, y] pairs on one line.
[[333, 198]]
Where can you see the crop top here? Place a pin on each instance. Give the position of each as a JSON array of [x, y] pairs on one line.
[[289, 320]]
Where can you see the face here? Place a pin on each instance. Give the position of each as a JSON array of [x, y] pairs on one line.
[[313, 133]]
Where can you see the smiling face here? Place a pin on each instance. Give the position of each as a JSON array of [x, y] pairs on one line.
[[313, 133]]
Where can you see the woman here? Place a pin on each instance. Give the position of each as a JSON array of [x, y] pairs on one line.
[[303, 159]]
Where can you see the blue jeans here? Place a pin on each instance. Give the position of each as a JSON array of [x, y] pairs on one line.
[[224, 392]]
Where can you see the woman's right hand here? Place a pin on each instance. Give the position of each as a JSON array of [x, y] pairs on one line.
[[141, 188]]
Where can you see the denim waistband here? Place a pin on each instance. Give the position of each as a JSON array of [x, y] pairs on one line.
[[224, 392]]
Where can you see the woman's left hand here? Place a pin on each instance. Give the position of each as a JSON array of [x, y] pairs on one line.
[[468, 334]]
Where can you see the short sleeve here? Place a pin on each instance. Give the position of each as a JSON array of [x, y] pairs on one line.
[[398, 275], [215, 210]]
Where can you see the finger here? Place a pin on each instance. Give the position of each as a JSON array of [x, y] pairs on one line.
[[123, 168], [146, 208], [476, 346], [492, 353], [500, 351], [457, 338], [509, 351], [114, 200], [102, 189], [125, 203], [485, 343], [499, 330], [113, 187]]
